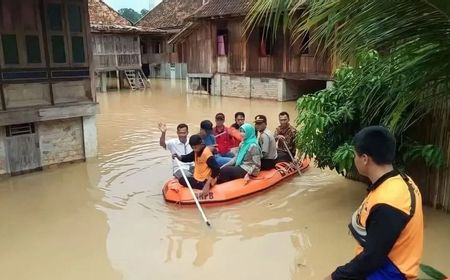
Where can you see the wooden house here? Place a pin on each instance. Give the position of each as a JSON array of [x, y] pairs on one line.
[[159, 58], [223, 60], [47, 104], [116, 48]]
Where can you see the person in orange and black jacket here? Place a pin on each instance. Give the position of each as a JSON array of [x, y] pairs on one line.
[[206, 168], [388, 226]]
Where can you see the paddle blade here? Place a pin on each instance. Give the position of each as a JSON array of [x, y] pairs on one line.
[[433, 273]]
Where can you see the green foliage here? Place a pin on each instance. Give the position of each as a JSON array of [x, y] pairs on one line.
[[396, 89], [432, 155], [343, 159], [130, 14], [362, 95]]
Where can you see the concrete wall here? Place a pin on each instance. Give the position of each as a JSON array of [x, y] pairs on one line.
[[90, 136], [266, 88], [236, 86], [217, 85], [255, 87], [248, 87], [61, 141]]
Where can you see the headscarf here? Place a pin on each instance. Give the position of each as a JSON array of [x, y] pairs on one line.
[[250, 138]]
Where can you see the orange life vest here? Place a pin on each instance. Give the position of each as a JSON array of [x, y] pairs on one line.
[[407, 250], [202, 170]]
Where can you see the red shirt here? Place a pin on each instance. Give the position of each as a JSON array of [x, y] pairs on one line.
[[224, 141]]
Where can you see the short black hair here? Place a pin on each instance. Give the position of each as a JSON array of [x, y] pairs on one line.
[[239, 114], [182, 125], [284, 114], [377, 142], [206, 125], [195, 140]]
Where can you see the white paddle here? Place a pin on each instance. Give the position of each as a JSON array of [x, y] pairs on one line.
[[193, 194]]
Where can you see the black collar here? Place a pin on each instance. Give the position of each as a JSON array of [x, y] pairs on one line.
[[383, 178], [200, 152]]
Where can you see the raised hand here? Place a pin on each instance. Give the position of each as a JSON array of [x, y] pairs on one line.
[[162, 127]]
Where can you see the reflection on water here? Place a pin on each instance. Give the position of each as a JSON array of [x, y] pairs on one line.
[[106, 219]]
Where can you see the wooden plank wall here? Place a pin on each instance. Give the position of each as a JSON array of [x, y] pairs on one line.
[[116, 51], [198, 49], [200, 52], [237, 41]]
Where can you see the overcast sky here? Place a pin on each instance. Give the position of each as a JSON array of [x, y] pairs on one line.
[[137, 5]]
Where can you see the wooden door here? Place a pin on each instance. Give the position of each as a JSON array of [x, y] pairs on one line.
[[22, 146]]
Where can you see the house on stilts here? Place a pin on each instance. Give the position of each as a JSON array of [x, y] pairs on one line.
[[222, 59], [116, 49], [161, 59], [47, 101]]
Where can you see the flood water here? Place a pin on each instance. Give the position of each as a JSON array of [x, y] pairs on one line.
[[106, 218]]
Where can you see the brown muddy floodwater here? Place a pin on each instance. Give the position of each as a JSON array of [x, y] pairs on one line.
[[106, 218]]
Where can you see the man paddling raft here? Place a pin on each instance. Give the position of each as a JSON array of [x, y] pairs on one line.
[[206, 168]]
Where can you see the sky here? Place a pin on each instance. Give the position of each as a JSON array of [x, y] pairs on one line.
[[137, 5]]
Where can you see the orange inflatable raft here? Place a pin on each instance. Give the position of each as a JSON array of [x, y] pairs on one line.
[[176, 193]]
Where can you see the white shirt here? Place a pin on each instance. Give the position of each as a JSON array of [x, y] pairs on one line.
[[175, 146]]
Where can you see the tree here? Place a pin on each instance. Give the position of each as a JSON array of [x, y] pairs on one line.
[[130, 14], [395, 68], [144, 12]]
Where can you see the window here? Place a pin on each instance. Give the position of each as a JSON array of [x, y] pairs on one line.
[[265, 41], [58, 49], [20, 129], [76, 33], [157, 47], [222, 42], [33, 49], [10, 49], [20, 33], [67, 41]]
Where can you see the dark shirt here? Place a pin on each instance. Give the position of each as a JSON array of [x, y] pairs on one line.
[[235, 125]]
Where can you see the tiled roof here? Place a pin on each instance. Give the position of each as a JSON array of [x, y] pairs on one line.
[[102, 14], [218, 8], [169, 14]]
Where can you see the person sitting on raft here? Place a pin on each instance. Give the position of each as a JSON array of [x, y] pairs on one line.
[[267, 143], [206, 133], [178, 146], [239, 119], [206, 168], [285, 134], [224, 140], [247, 161]]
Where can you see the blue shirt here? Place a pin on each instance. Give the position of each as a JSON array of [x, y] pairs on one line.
[[209, 140]]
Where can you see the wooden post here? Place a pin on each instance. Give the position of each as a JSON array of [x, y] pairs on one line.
[[118, 79], [42, 9], [104, 81], [285, 53]]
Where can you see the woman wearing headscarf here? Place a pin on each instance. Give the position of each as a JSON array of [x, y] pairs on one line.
[[247, 161]]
